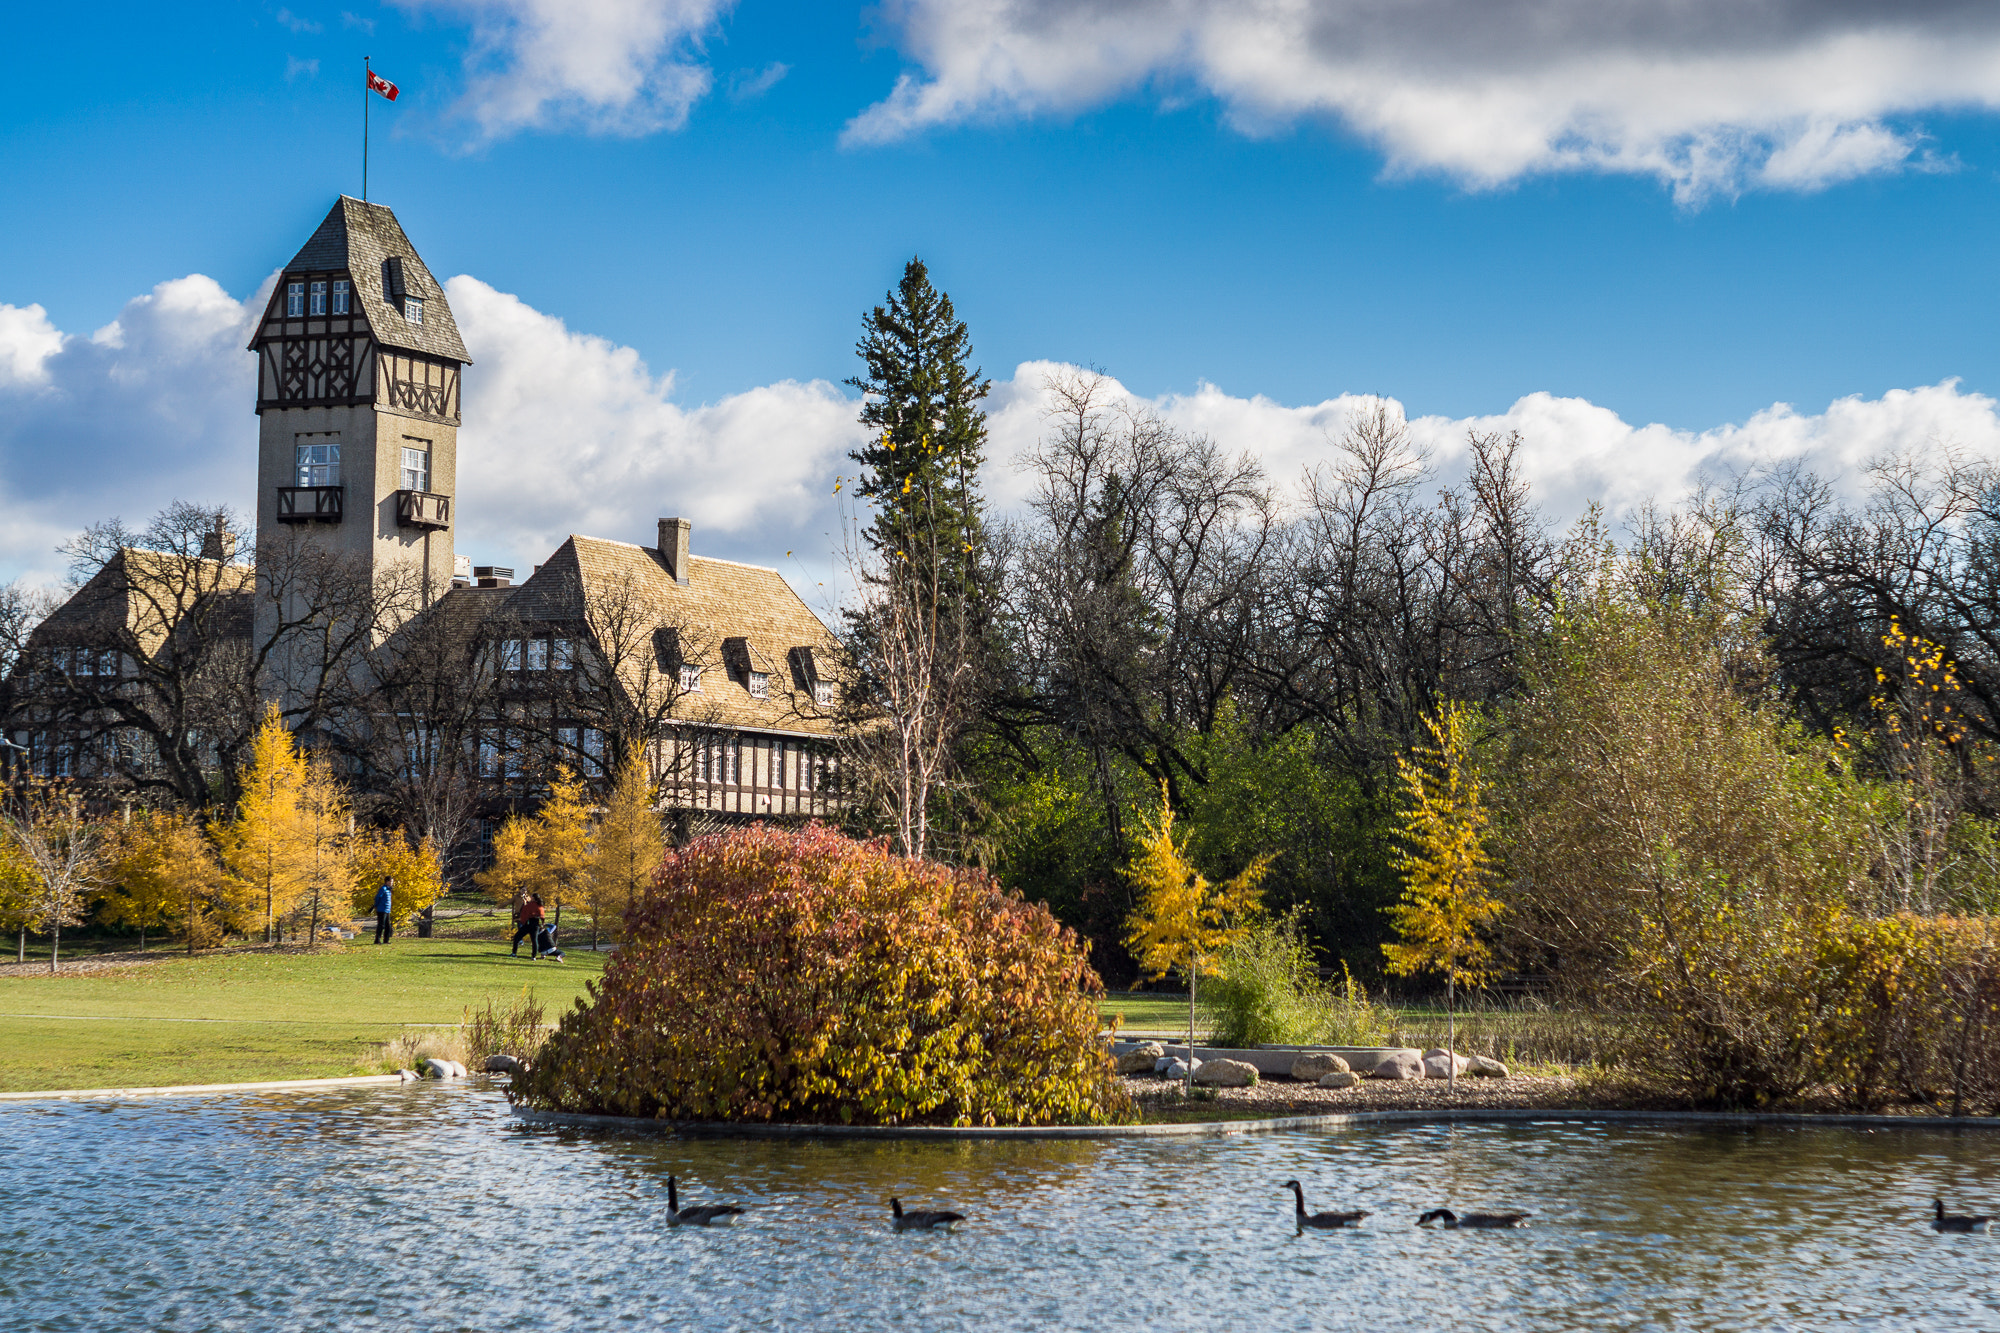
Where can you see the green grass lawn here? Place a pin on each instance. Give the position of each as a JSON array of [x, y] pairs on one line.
[[239, 1017], [1148, 1013]]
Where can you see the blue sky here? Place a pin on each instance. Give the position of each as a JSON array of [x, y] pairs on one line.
[[1791, 214]]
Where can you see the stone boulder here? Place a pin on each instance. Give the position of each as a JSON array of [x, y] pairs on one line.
[[1399, 1066], [502, 1064], [435, 1068], [1443, 1064], [1140, 1058], [1176, 1070], [1365, 1061], [1316, 1065], [1225, 1073], [408, 1075], [1482, 1067], [1340, 1078]]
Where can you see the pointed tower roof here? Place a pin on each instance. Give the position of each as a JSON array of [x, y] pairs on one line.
[[361, 238]]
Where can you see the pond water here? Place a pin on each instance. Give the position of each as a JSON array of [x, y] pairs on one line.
[[430, 1208]]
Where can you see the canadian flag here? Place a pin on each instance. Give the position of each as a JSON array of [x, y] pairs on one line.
[[377, 83]]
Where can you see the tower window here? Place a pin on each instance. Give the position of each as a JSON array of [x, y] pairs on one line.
[[318, 306], [416, 469], [295, 299], [340, 290], [318, 458], [413, 309]]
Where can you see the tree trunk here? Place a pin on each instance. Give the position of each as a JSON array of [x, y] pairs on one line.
[[55, 944], [1451, 1034], [21, 948], [1187, 1079], [142, 925]]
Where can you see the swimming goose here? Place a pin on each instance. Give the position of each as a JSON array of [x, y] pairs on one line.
[[1320, 1221], [714, 1214], [940, 1221], [1957, 1222], [1489, 1221]]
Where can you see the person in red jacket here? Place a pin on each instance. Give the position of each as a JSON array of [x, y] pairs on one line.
[[528, 926]]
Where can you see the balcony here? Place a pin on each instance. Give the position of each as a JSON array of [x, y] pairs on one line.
[[309, 504], [421, 509]]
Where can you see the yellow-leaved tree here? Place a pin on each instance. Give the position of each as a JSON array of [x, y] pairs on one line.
[[1182, 921], [415, 873], [629, 845], [325, 844], [559, 842], [1447, 873], [163, 872], [511, 876], [17, 896], [261, 845]]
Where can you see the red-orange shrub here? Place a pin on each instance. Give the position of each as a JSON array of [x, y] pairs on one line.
[[801, 976]]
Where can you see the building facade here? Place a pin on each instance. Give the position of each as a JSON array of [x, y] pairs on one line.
[[381, 644]]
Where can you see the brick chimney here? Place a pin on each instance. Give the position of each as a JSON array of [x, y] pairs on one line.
[[218, 543], [674, 534]]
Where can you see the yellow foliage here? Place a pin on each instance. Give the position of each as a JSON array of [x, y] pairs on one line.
[[629, 845], [416, 874], [1445, 866], [163, 873], [261, 846], [511, 877], [1183, 921]]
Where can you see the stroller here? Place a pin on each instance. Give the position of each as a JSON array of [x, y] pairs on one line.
[[545, 943]]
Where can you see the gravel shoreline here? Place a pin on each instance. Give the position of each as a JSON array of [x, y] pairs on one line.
[[1271, 1096]]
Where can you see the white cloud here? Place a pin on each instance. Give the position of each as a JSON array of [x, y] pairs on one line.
[[565, 432], [1709, 96], [1575, 452], [745, 85], [605, 66]]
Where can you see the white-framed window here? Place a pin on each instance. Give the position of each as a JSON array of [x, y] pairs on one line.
[[416, 468], [562, 654], [318, 304], [823, 693], [510, 754], [340, 296], [719, 763], [83, 662], [566, 742], [690, 679], [108, 663], [295, 299], [510, 654], [593, 745], [779, 751], [318, 459], [489, 758], [538, 654], [760, 684], [59, 660], [413, 309]]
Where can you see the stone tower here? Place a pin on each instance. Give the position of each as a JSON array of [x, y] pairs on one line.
[[358, 365]]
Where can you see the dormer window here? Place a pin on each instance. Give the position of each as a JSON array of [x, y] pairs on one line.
[[295, 299], [340, 296], [318, 305], [823, 693], [760, 684], [690, 680], [413, 309]]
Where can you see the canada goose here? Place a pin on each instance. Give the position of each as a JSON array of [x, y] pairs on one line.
[[1320, 1221], [940, 1221], [1489, 1221], [714, 1214], [1956, 1222]]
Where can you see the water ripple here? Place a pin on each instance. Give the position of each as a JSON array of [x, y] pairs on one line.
[[429, 1208]]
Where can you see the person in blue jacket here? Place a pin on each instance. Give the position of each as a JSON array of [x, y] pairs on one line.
[[383, 899]]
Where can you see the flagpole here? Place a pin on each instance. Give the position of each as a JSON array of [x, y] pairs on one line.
[[366, 73]]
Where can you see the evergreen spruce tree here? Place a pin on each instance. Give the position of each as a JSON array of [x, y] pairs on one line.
[[919, 642], [921, 469]]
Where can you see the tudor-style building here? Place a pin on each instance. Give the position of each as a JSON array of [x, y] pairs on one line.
[[716, 670]]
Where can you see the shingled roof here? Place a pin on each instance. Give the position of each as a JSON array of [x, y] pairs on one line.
[[358, 237], [722, 603], [144, 594]]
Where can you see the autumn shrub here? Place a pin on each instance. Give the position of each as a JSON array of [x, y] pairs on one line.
[[1918, 1012], [514, 1029], [802, 976], [1267, 990]]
